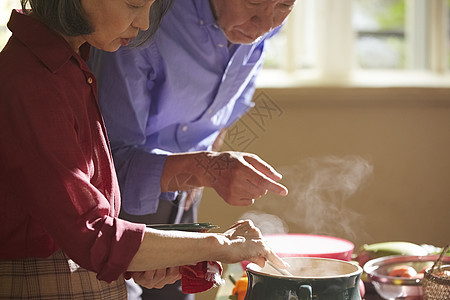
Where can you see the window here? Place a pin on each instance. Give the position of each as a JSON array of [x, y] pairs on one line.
[[380, 34], [347, 42], [350, 42]]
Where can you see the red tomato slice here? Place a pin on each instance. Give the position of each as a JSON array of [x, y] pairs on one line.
[[403, 271]]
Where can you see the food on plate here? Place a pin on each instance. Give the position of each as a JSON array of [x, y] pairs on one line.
[[443, 274], [403, 271], [424, 269], [372, 251]]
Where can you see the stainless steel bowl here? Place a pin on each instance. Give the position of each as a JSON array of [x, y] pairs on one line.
[[388, 287]]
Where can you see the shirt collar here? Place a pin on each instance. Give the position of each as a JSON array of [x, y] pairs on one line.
[[51, 48]]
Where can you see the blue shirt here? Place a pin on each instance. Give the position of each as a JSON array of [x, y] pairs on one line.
[[172, 95]]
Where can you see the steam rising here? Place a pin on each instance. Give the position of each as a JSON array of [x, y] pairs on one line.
[[268, 224], [318, 191]]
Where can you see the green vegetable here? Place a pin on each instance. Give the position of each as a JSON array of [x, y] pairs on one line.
[[368, 252], [395, 248]]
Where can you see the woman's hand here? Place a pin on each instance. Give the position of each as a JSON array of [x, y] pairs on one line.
[[163, 248], [244, 241], [157, 278], [239, 178]]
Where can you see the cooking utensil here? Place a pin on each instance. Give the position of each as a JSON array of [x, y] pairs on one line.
[[390, 287], [318, 278], [196, 227], [281, 271]]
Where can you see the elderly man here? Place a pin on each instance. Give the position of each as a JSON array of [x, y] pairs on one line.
[[165, 104]]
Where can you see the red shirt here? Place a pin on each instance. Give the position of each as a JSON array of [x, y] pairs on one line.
[[58, 187]]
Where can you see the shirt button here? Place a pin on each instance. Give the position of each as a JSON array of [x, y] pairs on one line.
[[185, 128], [202, 22], [220, 45], [216, 26], [90, 80]]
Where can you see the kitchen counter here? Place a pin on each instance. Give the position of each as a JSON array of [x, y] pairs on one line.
[[371, 296]]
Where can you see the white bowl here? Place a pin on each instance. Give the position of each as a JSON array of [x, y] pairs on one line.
[[388, 287]]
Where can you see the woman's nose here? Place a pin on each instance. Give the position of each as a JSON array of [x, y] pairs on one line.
[[142, 21]]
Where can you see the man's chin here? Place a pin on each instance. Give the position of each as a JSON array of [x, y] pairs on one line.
[[243, 39]]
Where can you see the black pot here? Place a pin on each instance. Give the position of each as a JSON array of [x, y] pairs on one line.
[[313, 278]]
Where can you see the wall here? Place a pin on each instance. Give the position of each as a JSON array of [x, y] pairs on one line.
[[403, 133]]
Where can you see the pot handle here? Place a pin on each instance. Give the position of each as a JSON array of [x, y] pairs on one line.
[[304, 292]]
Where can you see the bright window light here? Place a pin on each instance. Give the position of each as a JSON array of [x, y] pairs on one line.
[[350, 42], [6, 6], [347, 42]]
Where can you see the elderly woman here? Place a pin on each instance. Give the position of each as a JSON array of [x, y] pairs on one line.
[[59, 228]]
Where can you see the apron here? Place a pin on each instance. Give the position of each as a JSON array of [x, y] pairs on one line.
[[55, 277]]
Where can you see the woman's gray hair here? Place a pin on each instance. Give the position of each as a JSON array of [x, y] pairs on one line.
[[157, 11], [68, 17], [64, 16]]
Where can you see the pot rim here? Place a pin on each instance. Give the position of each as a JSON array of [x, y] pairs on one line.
[[250, 268]]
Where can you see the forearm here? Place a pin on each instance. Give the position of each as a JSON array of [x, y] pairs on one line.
[[186, 171], [163, 249]]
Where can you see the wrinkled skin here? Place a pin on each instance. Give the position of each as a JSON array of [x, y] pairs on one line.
[[247, 243], [248, 178], [242, 241], [245, 21], [239, 178]]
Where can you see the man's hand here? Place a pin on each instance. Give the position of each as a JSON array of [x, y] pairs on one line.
[[239, 178]]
